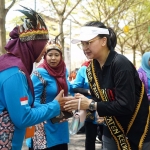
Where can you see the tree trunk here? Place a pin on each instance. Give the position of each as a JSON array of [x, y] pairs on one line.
[[2, 27], [62, 34], [134, 57], [121, 49]]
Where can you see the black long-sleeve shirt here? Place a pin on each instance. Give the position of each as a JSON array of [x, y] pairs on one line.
[[120, 82]]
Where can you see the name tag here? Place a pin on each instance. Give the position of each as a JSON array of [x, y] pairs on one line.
[[30, 132]]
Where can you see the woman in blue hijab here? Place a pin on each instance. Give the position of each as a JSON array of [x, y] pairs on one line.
[[144, 72]]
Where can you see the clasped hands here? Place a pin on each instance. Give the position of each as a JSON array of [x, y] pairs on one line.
[[70, 103]]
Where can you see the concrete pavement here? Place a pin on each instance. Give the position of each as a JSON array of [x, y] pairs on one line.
[[76, 143]]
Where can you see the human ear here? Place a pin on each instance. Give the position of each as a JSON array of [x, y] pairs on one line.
[[104, 43]]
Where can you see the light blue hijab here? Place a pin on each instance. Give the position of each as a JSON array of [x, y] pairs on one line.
[[145, 66]]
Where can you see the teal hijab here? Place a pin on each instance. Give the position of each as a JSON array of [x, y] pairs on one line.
[[145, 63]]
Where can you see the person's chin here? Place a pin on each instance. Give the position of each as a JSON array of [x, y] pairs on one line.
[[52, 65], [89, 56]]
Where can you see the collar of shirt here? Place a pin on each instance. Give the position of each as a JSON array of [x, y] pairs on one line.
[[110, 58]]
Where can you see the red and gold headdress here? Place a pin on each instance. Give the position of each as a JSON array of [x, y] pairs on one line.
[[33, 28], [54, 44]]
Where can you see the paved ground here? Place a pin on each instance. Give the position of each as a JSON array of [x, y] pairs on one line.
[[76, 143]]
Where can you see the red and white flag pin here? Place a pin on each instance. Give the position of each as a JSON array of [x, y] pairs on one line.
[[24, 100]]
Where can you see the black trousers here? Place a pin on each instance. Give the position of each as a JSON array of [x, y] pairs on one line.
[[100, 131], [57, 147], [91, 133]]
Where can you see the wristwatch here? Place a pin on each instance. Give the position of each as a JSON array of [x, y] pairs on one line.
[[92, 106]]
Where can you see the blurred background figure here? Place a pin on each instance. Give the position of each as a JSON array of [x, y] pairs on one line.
[[72, 76], [144, 72]]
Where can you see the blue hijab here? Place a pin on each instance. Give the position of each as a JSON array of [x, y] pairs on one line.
[[145, 65]]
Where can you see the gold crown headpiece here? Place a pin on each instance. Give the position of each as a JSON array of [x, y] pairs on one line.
[[54, 44], [33, 27]]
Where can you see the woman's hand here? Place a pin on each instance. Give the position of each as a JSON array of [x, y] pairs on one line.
[[62, 100], [73, 104]]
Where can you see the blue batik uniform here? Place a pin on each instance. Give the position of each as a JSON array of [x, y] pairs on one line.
[[14, 88], [55, 133], [81, 80]]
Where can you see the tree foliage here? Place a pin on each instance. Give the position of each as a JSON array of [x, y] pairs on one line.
[[63, 9], [134, 14]]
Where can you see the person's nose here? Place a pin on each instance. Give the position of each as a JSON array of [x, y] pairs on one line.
[[53, 57], [85, 48]]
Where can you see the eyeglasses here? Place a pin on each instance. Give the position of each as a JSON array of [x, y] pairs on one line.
[[84, 45]]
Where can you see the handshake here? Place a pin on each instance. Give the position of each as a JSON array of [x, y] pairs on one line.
[[69, 104]]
